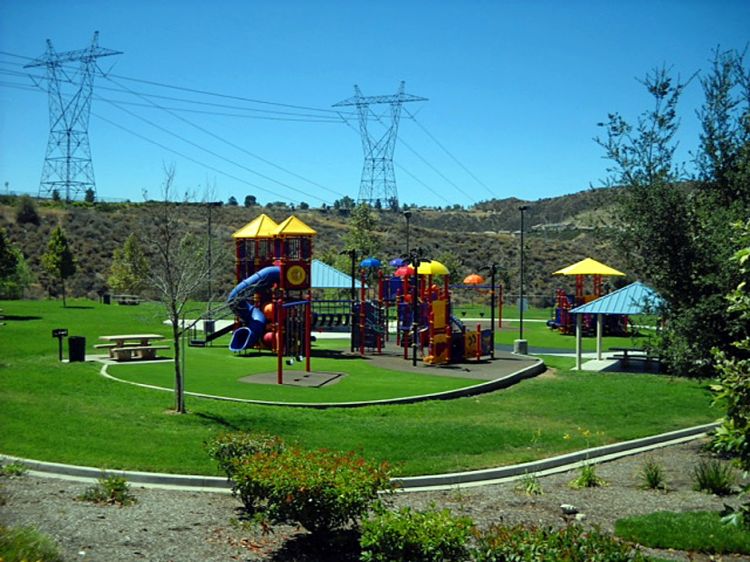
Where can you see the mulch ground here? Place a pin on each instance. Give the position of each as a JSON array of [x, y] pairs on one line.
[[177, 526]]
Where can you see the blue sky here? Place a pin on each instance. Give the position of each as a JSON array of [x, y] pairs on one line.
[[515, 90]]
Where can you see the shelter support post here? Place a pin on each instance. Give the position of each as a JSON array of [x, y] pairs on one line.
[[599, 331], [579, 322]]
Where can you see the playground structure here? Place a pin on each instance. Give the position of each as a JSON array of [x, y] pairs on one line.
[[564, 321], [272, 300], [423, 314]]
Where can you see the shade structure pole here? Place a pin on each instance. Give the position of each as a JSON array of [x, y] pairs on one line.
[[599, 331], [579, 322]]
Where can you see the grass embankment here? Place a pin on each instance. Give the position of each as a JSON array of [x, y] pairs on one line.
[[67, 413], [697, 531]]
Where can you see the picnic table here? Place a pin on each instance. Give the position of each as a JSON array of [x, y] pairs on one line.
[[625, 354], [128, 347]]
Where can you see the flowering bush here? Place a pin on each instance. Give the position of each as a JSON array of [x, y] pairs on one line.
[[321, 490], [227, 448]]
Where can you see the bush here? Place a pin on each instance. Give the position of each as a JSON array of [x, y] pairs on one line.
[[530, 485], [26, 211], [714, 477], [109, 490], [588, 478], [227, 448], [414, 536], [321, 490], [24, 544], [13, 469], [652, 476], [569, 544]]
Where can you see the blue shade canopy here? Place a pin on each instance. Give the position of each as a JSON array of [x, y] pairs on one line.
[[397, 262], [326, 277], [370, 262], [636, 298]]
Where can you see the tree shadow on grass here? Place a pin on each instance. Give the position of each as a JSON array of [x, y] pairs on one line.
[[216, 419], [14, 318], [338, 546], [79, 307]]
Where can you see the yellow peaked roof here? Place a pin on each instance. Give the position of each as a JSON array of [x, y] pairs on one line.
[[432, 267], [261, 226], [588, 267], [293, 227]]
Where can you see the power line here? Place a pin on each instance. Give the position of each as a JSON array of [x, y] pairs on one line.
[[249, 153], [190, 158], [456, 160]]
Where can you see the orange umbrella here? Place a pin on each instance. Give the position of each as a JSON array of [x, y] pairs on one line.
[[404, 271], [474, 279]]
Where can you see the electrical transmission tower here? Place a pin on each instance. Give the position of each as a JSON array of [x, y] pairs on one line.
[[67, 164], [378, 183]]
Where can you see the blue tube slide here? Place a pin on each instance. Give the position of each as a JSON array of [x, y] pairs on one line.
[[251, 316]]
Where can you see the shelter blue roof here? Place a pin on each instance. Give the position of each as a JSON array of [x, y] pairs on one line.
[[636, 298], [326, 277]]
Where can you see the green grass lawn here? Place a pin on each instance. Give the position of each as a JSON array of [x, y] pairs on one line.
[[695, 531], [68, 413]]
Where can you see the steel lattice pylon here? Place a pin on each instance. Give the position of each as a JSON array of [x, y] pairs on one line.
[[378, 183], [67, 164]]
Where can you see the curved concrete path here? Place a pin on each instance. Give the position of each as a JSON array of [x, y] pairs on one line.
[[535, 368], [484, 477]]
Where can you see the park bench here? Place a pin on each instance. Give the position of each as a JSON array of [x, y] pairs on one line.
[[127, 299], [139, 352], [628, 354]]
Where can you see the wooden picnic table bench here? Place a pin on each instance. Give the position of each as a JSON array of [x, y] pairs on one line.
[[126, 347], [127, 299], [626, 354]]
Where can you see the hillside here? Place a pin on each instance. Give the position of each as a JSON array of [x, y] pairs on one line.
[[560, 231]]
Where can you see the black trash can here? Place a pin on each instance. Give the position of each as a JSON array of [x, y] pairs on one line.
[[76, 348], [106, 298]]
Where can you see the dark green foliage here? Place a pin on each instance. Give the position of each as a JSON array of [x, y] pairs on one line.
[[25, 544], [415, 536], [250, 201], [232, 201], [129, 267], [676, 234], [714, 476], [569, 544], [693, 531], [90, 196], [588, 478], [109, 490], [320, 490], [228, 448], [8, 258], [26, 211]]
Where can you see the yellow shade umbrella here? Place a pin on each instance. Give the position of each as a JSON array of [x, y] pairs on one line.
[[588, 267], [432, 267]]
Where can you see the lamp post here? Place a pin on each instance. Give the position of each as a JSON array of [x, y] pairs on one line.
[[493, 271], [407, 216], [353, 255], [416, 259], [521, 345], [210, 205]]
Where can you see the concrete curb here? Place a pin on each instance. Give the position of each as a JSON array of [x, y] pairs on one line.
[[503, 382], [484, 477]]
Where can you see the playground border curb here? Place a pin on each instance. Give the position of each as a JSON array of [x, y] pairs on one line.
[[560, 463], [537, 368]]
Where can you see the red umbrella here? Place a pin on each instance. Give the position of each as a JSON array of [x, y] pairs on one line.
[[404, 271], [474, 279]]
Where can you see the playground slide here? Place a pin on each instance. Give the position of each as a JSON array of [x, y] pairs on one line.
[[251, 316]]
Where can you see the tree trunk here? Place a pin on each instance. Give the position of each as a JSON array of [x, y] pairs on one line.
[[62, 284], [179, 389]]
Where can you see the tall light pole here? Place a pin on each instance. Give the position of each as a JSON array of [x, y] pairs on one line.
[[407, 216], [521, 345]]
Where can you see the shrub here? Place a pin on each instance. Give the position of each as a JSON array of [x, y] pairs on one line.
[[13, 469], [227, 448], [27, 544], [587, 478], [321, 490], [569, 544], [26, 211], [109, 490], [714, 476], [414, 536], [530, 485], [652, 476]]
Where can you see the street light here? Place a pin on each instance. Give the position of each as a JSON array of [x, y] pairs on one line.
[[353, 255], [407, 216], [521, 344], [493, 271]]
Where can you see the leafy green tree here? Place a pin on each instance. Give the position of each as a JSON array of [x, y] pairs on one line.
[[232, 201], [362, 234], [90, 196], [251, 201], [59, 261], [129, 267], [26, 211], [675, 233], [15, 275]]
